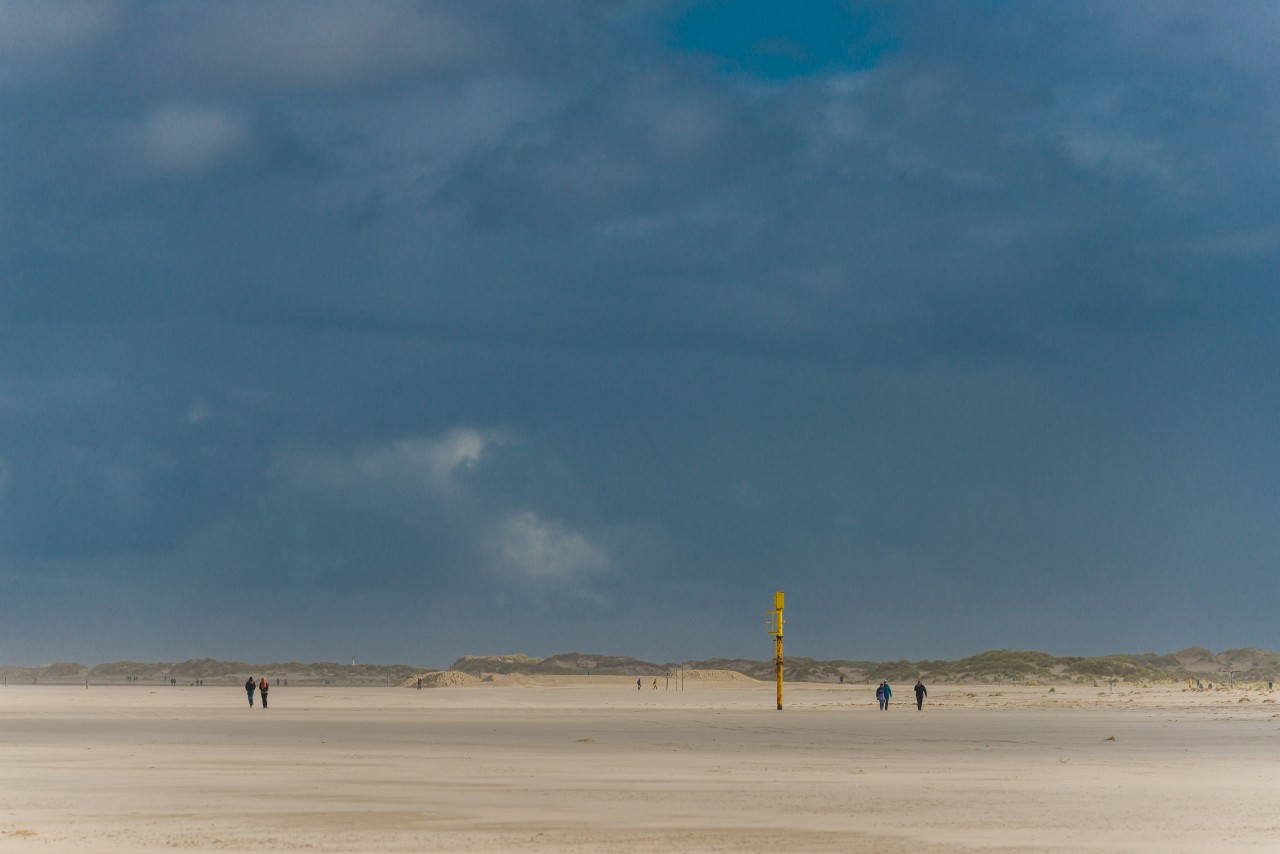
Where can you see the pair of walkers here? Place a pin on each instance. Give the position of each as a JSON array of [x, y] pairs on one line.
[[262, 687], [884, 693]]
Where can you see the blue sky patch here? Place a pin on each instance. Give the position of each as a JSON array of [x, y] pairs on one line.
[[781, 41]]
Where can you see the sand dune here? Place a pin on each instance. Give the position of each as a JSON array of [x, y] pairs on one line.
[[581, 763], [440, 679]]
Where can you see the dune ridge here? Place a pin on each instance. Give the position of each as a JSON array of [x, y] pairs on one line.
[[1244, 665]]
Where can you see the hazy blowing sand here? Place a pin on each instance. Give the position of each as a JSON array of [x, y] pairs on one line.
[[592, 764]]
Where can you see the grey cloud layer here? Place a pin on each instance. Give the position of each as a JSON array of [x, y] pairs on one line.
[[993, 315]]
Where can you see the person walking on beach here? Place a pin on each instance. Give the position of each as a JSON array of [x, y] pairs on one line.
[[880, 695], [888, 692], [248, 688], [921, 693], [637, 683], [262, 689]]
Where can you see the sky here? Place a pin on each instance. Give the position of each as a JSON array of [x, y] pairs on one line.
[[397, 331]]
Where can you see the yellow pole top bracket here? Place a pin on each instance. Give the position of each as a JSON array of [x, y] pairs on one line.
[[775, 616]]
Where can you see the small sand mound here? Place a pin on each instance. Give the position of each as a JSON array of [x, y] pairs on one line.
[[716, 676], [440, 679]]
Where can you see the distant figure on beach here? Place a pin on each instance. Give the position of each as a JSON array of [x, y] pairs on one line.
[[921, 693], [655, 684], [248, 688], [880, 695], [888, 692], [419, 683], [263, 687], [637, 683]]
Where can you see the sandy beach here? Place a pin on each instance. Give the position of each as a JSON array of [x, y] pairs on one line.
[[592, 764]]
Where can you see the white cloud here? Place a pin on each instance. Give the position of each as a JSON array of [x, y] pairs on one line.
[[39, 39], [458, 449], [187, 138], [425, 462], [1116, 154], [435, 462], [198, 411], [251, 46], [430, 518], [530, 547]]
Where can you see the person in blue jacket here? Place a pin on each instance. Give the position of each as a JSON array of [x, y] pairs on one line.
[[880, 695], [888, 692], [249, 687]]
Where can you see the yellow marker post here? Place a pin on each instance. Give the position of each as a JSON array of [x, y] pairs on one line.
[[775, 629]]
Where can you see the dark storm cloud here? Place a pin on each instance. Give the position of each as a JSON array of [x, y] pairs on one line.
[[562, 321]]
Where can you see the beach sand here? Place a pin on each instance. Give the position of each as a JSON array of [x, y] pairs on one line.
[[592, 764]]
